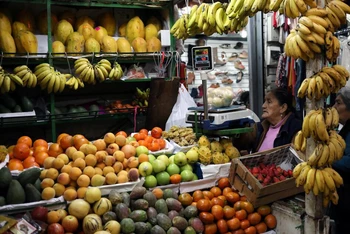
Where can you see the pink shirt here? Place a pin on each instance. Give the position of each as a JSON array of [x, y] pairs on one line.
[[271, 136]]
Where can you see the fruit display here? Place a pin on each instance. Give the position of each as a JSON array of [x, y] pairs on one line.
[[49, 79], [321, 84], [180, 135], [219, 209], [152, 140], [91, 73], [269, 174], [28, 78], [8, 81], [141, 97], [216, 152]]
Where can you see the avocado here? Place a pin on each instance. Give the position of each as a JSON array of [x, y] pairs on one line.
[[8, 101], [94, 109], [82, 111], [26, 104], [73, 111], [17, 109], [4, 109]]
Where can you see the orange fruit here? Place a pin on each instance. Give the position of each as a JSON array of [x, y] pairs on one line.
[[161, 142], [26, 140], [229, 212], [270, 221], [158, 193], [40, 148], [40, 158], [122, 133], [40, 142], [66, 141], [15, 164], [154, 146], [54, 150], [208, 194], [224, 182], [217, 211], [149, 139], [175, 178], [79, 142], [250, 230], [144, 131], [21, 151], [60, 136], [29, 162], [197, 195], [210, 228], [254, 218], [245, 224], [247, 206], [264, 210], [222, 226], [216, 191], [232, 197], [186, 199], [233, 224], [226, 190], [217, 201], [261, 227], [204, 204], [241, 214], [156, 132], [206, 217]]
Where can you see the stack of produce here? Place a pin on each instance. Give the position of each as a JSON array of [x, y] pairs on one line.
[[11, 104], [216, 152], [219, 209], [316, 175], [181, 135]]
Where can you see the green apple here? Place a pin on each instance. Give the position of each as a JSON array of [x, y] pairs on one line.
[[180, 159], [145, 169], [173, 169], [158, 166], [151, 158], [195, 177], [129, 139], [171, 159], [186, 167], [186, 175], [150, 181], [192, 156], [163, 178], [164, 158], [141, 149]]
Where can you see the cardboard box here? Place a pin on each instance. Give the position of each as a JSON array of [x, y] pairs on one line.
[[244, 181]]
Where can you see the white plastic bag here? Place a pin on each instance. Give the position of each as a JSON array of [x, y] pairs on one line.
[[178, 113]]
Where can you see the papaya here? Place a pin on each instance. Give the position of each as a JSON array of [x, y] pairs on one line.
[[122, 30], [134, 28], [25, 16], [86, 30], [75, 43], [83, 19], [42, 22], [18, 26], [58, 47], [5, 23], [155, 21], [150, 31], [108, 21], [154, 45], [139, 45], [6, 177], [123, 45], [32, 194], [62, 31], [108, 44], [15, 193], [92, 45], [100, 32], [28, 41], [7, 43], [29, 176]]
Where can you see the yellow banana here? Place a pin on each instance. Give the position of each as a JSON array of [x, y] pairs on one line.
[[333, 18], [16, 79], [51, 83], [338, 180], [297, 169], [303, 145], [302, 7], [319, 39], [319, 87], [333, 74], [315, 189], [311, 3], [325, 201], [334, 197], [319, 29], [345, 7], [339, 151], [43, 74], [335, 118], [305, 127], [63, 83], [294, 9], [318, 20], [323, 160], [311, 89], [312, 124], [81, 68], [339, 138], [302, 91], [306, 21], [327, 79], [331, 26], [298, 140], [329, 181], [307, 37], [329, 39], [320, 180], [321, 129], [316, 11], [303, 29], [328, 117], [275, 4], [301, 179], [338, 11], [341, 70], [310, 178], [306, 188], [304, 47], [315, 156]]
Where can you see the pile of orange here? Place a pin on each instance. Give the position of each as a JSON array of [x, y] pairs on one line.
[[153, 142], [26, 153], [223, 210]]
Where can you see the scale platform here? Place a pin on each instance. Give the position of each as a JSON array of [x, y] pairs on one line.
[[235, 116]]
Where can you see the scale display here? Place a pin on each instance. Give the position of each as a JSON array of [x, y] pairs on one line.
[[202, 58]]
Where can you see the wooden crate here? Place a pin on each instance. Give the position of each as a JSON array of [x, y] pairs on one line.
[[247, 184]]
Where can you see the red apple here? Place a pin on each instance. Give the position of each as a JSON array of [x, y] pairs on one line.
[[70, 223], [260, 178], [40, 213], [55, 228], [290, 173], [281, 178], [275, 180]]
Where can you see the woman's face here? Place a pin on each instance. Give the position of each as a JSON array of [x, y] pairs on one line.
[[344, 114], [271, 109]]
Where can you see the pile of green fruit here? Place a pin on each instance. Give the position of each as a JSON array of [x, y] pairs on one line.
[[25, 188], [9, 104]]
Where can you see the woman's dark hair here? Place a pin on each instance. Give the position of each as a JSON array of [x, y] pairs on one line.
[[284, 97], [345, 95], [244, 98]]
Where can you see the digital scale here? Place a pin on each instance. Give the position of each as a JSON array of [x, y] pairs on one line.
[[234, 116]]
